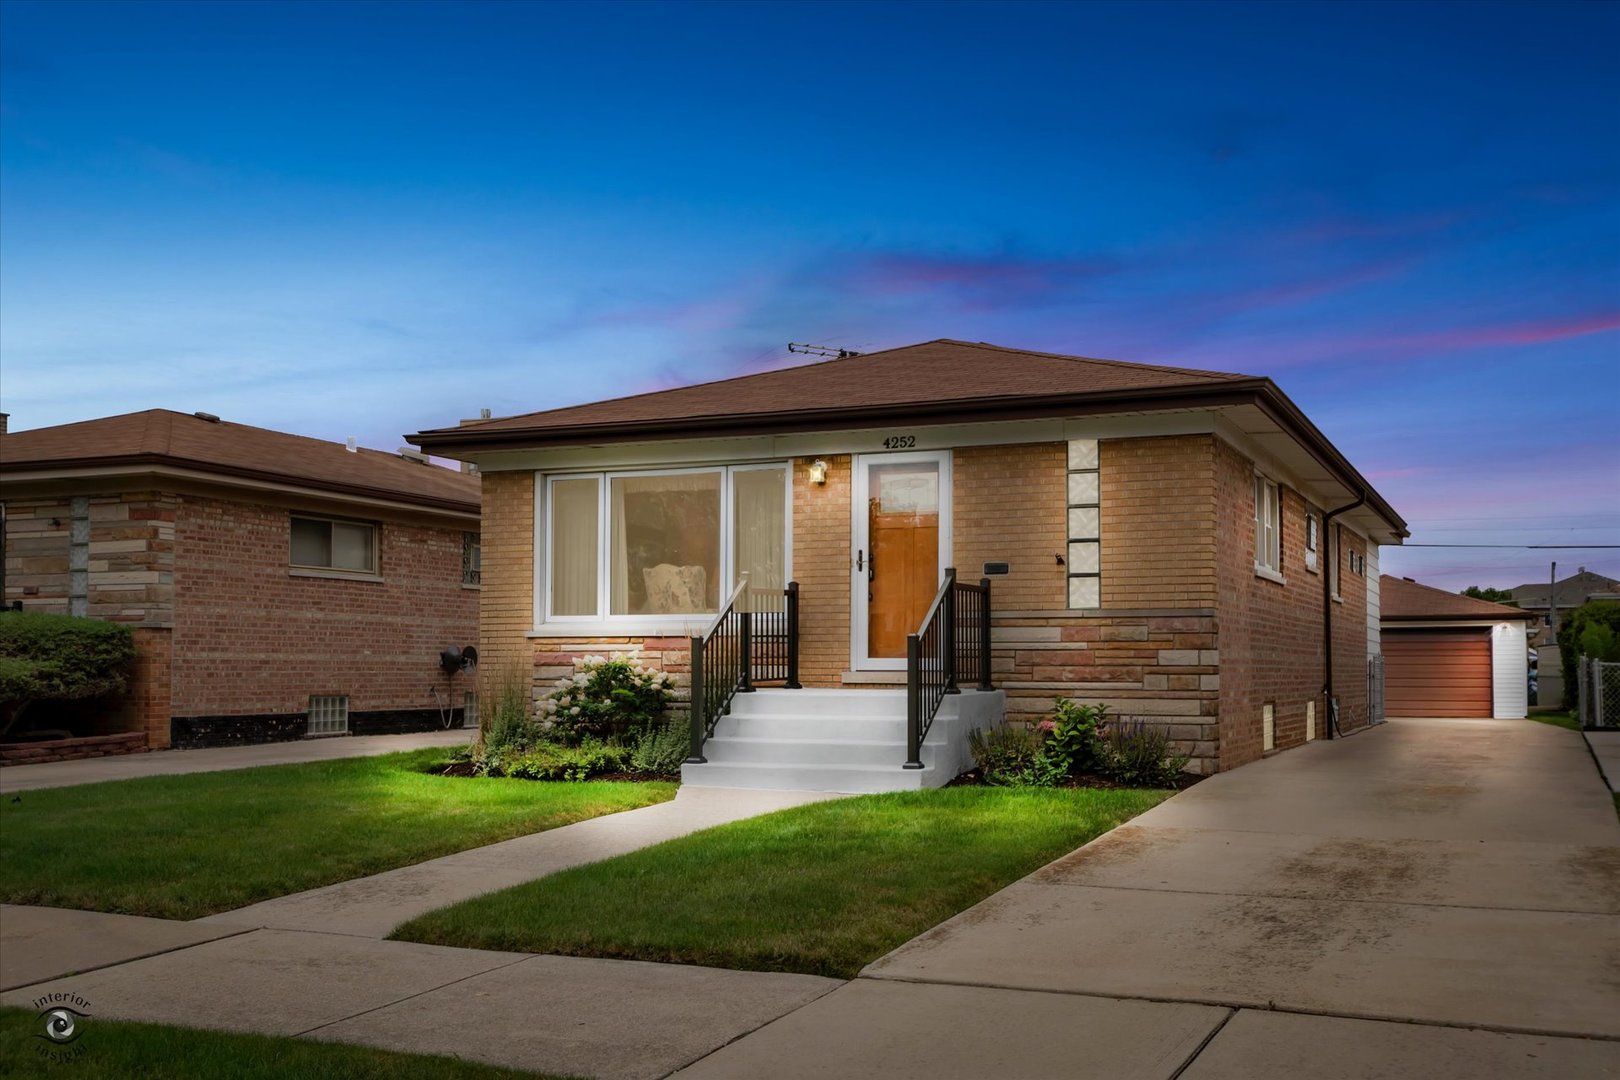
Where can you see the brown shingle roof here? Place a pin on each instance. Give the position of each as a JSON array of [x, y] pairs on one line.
[[163, 437], [935, 373], [1401, 600]]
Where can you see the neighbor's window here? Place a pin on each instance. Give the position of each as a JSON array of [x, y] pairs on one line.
[[328, 714], [471, 559], [321, 544], [664, 543], [1267, 525]]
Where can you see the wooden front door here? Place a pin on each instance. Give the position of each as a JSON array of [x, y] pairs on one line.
[[898, 545]]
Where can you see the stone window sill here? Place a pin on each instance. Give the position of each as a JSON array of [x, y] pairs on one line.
[[335, 575], [1269, 574]]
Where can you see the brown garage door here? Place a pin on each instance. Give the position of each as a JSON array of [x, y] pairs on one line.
[[1437, 672]]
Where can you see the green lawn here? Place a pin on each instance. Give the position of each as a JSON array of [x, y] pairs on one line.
[[119, 1050], [1557, 719], [822, 889], [184, 846]]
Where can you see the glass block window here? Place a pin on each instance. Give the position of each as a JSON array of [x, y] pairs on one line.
[[1085, 525], [469, 709], [328, 714]]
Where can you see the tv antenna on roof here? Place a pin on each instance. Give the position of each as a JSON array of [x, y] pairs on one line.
[[831, 351]]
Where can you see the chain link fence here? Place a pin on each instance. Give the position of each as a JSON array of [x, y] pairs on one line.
[[1599, 693]]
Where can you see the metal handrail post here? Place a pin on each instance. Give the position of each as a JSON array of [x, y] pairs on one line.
[[948, 638], [913, 702], [695, 746], [984, 637], [792, 636]]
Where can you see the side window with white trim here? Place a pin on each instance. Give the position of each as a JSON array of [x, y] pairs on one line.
[[1267, 525]]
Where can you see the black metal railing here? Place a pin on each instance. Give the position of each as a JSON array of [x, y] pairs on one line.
[[755, 638], [954, 640]]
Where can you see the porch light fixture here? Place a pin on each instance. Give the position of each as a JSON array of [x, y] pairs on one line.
[[818, 472]]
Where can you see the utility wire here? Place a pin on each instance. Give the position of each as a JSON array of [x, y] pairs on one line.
[[1518, 547]]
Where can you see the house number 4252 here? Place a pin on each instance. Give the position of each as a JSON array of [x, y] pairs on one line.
[[900, 442]]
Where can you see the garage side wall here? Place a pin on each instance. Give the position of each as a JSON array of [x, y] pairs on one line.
[[1510, 691]]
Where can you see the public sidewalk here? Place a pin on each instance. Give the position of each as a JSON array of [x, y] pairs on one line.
[[374, 906], [14, 778]]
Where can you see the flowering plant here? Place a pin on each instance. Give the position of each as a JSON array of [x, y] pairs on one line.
[[605, 698]]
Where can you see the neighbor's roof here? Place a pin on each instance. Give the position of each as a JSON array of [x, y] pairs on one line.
[[160, 437], [936, 382], [1573, 591], [1402, 600]]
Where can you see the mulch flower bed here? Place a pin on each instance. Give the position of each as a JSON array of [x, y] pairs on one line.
[[975, 778]]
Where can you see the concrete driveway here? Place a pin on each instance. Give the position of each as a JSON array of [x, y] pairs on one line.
[[15, 778], [1432, 898]]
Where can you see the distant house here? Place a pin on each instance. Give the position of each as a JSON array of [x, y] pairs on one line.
[[1184, 546], [1571, 593], [1450, 655], [279, 586]]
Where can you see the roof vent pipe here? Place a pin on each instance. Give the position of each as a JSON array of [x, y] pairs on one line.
[[351, 446]]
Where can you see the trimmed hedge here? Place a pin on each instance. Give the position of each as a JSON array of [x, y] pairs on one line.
[[59, 658]]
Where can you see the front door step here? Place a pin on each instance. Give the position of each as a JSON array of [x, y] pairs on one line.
[[837, 740]]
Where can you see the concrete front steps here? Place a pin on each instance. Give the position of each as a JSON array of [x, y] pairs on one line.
[[838, 740]]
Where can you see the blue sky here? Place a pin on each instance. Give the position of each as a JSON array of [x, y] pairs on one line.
[[368, 219]]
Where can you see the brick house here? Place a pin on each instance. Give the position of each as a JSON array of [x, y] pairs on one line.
[[278, 586], [1178, 544]]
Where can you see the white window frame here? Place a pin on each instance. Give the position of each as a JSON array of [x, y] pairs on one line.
[[303, 569], [1267, 528], [328, 715], [1313, 539], [604, 590], [1336, 551]]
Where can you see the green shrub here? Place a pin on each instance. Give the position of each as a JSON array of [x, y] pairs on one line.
[[1140, 755], [1071, 745], [1593, 629], [661, 749], [607, 698], [552, 761], [59, 658], [1012, 757]]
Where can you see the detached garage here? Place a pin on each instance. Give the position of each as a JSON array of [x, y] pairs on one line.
[[1451, 655]]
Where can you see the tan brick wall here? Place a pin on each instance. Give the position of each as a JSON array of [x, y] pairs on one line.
[[146, 706], [1158, 522], [1270, 633], [1010, 506], [251, 638], [822, 564], [506, 601]]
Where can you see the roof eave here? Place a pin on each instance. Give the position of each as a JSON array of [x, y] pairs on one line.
[[65, 468]]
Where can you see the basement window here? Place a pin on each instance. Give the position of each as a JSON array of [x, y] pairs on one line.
[[1267, 528], [469, 709], [328, 714], [1268, 728], [327, 544]]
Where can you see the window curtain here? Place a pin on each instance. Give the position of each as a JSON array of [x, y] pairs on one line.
[[574, 510], [759, 500]]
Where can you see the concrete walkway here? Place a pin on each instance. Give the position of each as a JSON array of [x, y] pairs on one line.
[[14, 778], [1606, 748], [374, 906], [1429, 898]]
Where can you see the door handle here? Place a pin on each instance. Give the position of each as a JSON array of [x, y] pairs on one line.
[[860, 560]]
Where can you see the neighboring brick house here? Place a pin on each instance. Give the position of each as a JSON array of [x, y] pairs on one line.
[[1164, 540], [278, 586]]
